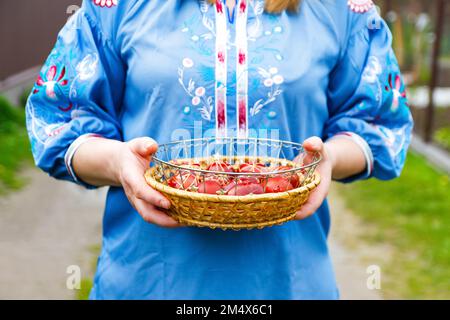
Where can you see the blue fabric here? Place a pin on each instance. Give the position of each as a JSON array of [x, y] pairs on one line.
[[130, 70]]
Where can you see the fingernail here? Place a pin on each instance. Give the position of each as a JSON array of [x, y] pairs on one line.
[[151, 142], [164, 204]]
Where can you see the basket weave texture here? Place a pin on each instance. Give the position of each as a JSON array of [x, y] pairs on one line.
[[233, 212]]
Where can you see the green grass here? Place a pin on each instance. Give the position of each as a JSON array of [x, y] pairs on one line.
[[86, 286], [87, 282], [442, 136], [412, 214], [14, 145]]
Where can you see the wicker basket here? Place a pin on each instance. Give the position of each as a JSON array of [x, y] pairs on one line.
[[225, 211]]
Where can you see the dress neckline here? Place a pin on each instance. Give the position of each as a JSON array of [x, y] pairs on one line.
[[231, 14]]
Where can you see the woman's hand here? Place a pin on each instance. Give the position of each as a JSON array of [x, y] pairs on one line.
[[325, 169], [104, 162], [132, 161], [341, 158]]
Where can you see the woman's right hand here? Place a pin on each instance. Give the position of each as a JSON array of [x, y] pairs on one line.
[[132, 160]]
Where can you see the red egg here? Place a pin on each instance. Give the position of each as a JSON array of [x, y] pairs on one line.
[[209, 187], [244, 188], [251, 168], [293, 177], [184, 181], [278, 184], [220, 166]]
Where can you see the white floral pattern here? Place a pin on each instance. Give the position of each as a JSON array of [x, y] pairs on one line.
[[360, 6], [87, 68], [106, 3], [196, 93], [272, 81]]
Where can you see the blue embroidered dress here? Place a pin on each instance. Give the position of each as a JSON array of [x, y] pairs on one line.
[[167, 69]]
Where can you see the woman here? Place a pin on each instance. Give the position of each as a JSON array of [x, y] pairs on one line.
[[123, 71]]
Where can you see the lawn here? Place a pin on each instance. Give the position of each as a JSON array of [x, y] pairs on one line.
[[14, 145], [412, 214], [442, 137]]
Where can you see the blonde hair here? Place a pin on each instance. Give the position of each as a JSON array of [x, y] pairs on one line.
[[277, 6]]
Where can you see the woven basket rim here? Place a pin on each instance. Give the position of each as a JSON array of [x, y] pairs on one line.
[[251, 174], [228, 198], [156, 158]]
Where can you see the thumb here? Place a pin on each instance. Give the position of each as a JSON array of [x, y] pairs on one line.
[[313, 144], [144, 146]]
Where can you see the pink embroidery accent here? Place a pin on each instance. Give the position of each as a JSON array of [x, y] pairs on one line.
[[105, 3], [221, 116], [67, 109], [56, 131], [242, 115], [63, 73], [243, 6], [219, 6], [221, 57], [360, 6], [39, 81], [51, 81], [51, 73], [221, 71], [242, 70], [396, 91], [242, 58]]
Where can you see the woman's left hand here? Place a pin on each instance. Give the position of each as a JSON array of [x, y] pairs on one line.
[[325, 169]]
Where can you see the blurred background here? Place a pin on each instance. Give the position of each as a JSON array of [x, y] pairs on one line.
[[48, 229]]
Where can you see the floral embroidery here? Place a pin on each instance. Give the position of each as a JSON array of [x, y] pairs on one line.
[[197, 94], [395, 139], [397, 90], [267, 82], [40, 129], [272, 81], [372, 70], [371, 75], [255, 29], [53, 83], [53, 130], [360, 6], [87, 68], [105, 3]]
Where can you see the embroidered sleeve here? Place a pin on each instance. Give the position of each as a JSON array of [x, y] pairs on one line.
[[77, 94], [367, 98]]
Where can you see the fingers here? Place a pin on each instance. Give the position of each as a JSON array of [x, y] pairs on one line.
[[152, 215], [138, 187], [314, 202], [151, 196], [318, 195], [146, 201], [144, 146]]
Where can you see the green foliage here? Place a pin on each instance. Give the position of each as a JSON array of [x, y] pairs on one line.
[[86, 286], [14, 145], [10, 117], [412, 214], [87, 283], [442, 136], [24, 97]]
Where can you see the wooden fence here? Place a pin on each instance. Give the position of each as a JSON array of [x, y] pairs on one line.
[[28, 30]]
